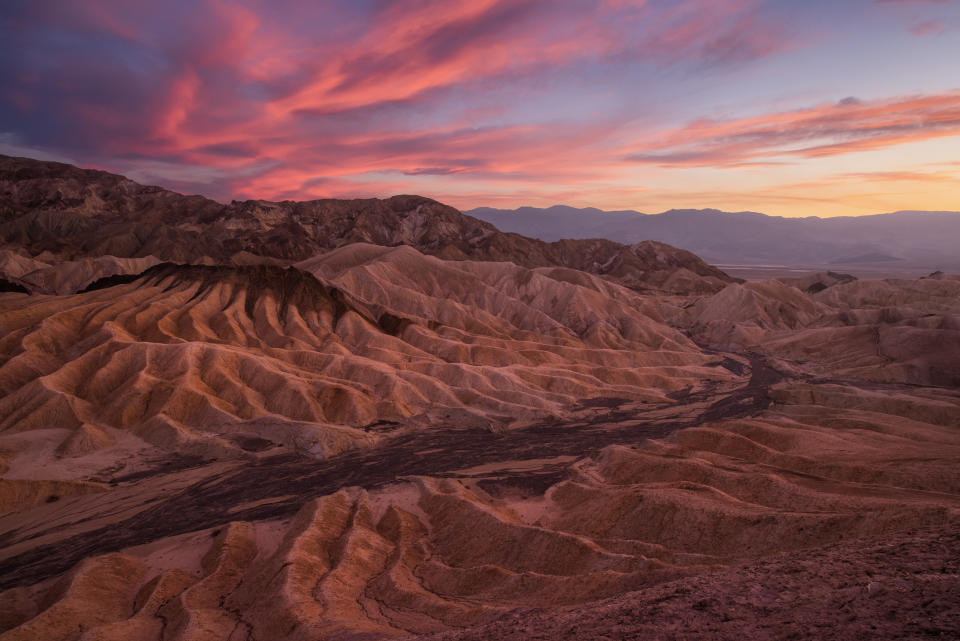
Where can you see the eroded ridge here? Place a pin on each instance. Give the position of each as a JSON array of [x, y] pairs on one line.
[[452, 432], [486, 522]]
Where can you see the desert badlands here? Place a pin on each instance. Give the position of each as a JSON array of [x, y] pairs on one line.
[[382, 419]]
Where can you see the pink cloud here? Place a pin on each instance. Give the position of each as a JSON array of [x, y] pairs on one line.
[[928, 28], [273, 102], [407, 53], [827, 130]]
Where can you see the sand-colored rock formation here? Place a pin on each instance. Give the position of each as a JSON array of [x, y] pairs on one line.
[[73, 276], [428, 554], [16, 494], [905, 331], [375, 419], [197, 359], [405, 360]]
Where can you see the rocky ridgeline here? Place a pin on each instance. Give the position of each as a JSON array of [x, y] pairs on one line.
[[54, 212]]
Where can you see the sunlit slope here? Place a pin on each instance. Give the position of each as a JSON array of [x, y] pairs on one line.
[[195, 359], [428, 554]]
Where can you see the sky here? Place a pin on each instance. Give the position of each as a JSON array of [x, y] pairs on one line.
[[788, 107]]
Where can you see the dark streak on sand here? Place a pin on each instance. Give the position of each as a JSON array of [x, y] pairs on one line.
[[524, 484], [208, 503]]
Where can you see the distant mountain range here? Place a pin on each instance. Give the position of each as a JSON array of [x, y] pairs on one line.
[[85, 223], [917, 238]]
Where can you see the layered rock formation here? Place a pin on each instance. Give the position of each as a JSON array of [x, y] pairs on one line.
[[442, 551], [195, 359], [905, 331], [381, 419]]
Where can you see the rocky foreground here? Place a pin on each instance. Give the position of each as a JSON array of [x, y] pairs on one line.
[[899, 586], [347, 440]]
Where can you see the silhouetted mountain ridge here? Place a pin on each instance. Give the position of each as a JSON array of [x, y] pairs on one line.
[[921, 238], [57, 212]]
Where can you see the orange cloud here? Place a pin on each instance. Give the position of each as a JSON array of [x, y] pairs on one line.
[[492, 100], [847, 126]]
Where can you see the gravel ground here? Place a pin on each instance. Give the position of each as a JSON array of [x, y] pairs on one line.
[[901, 586]]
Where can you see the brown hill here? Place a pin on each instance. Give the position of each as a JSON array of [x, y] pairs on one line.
[[299, 433], [57, 210]]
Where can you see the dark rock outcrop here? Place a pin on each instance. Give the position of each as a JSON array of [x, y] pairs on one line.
[[74, 213]]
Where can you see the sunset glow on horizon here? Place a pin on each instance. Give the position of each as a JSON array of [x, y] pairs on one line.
[[788, 107]]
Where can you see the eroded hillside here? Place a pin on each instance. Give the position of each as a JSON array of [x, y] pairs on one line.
[[380, 437]]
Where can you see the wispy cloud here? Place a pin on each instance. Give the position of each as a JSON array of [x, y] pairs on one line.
[[928, 28], [826, 130], [485, 99], [900, 176], [232, 86]]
